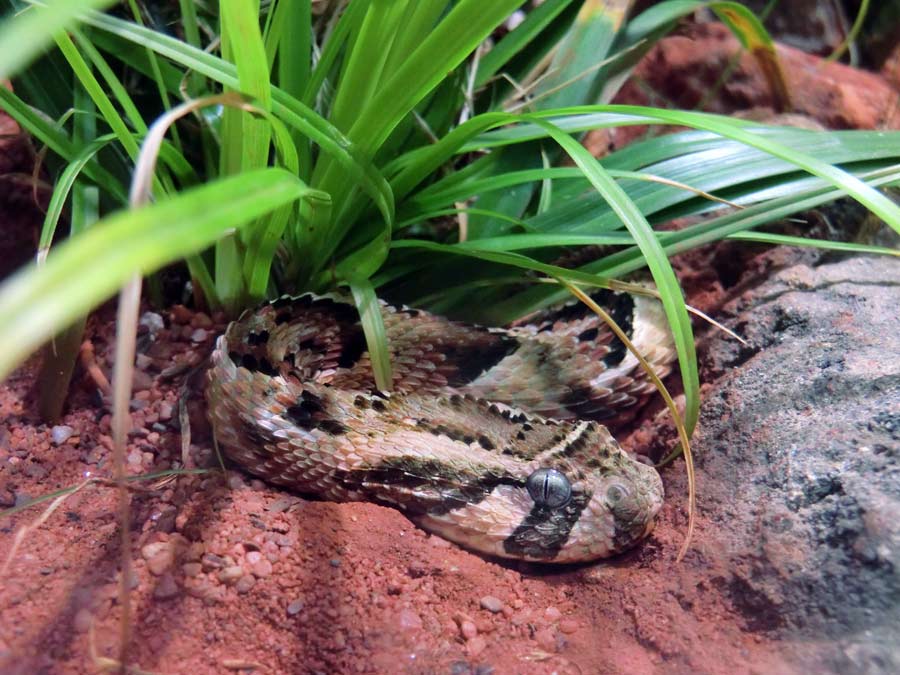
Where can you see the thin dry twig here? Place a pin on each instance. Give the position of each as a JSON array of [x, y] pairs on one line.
[[673, 409], [636, 289], [26, 529], [89, 363]]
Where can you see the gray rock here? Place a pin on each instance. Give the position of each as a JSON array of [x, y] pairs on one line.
[[60, 434], [153, 322], [798, 457]]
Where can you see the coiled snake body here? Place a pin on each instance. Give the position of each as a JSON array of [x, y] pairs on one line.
[[491, 437]]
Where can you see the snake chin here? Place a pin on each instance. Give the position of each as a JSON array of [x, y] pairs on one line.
[[621, 513]]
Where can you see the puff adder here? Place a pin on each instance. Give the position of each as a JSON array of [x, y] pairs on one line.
[[491, 438]]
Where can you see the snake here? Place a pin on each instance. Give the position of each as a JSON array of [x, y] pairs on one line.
[[497, 439]]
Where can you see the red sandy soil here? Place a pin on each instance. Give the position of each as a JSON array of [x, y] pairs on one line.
[[231, 575]]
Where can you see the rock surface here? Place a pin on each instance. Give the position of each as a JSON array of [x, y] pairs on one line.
[[799, 461]]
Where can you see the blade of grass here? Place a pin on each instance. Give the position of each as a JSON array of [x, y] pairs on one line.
[[373, 327], [359, 170], [363, 66], [683, 432], [785, 240], [514, 42], [753, 36], [630, 260], [158, 77], [293, 42], [56, 140], [24, 36], [84, 271], [656, 259], [60, 355]]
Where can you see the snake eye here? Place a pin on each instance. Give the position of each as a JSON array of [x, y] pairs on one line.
[[549, 487], [616, 493]]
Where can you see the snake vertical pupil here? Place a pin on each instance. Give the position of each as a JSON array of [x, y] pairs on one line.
[[549, 487]]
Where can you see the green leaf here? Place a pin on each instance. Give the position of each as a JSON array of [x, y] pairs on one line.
[[26, 35], [663, 275], [373, 328], [86, 270]]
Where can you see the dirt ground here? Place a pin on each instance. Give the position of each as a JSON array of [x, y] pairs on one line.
[[232, 575]]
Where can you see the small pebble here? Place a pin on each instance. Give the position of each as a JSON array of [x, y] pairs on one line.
[[165, 588], [35, 471], [244, 584], [295, 607], [230, 574], [475, 646], [520, 618], [199, 335], [181, 314], [165, 411], [201, 320], [546, 638], [138, 404], [568, 626], [153, 321], [262, 567], [141, 380], [552, 614], [335, 562], [409, 620], [82, 621], [161, 562], [60, 434], [192, 569], [150, 550], [468, 629], [492, 604]]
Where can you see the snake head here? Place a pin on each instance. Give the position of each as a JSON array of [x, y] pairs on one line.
[[594, 505]]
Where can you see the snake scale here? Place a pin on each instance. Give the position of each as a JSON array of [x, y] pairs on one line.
[[491, 438]]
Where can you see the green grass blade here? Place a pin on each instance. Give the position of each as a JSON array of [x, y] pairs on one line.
[[306, 121], [572, 76], [514, 42], [723, 126], [785, 240], [84, 271], [115, 85], [451, 41], [240, 27], [631, 260], [97, 94], [26, 35], [39, 127], [347, 25], [373, 328], [63, 188], [292, 35], [363, 68], [663, 275], [420, 19], [501, 257], [158, 77], [58, 362]]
